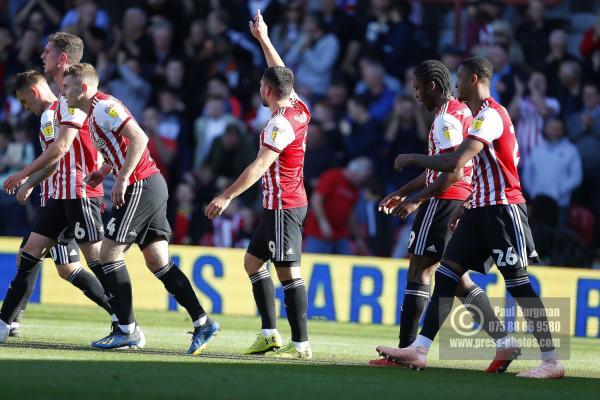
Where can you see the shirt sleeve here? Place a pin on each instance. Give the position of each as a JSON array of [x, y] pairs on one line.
[[278, 134], [70, 116], [47, 128], [487, 126], [447, 133], [111, 115]]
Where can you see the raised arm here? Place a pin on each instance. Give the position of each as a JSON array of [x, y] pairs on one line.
[[259, 30]]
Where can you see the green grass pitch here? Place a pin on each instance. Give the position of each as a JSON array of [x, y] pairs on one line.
[[52, 360]]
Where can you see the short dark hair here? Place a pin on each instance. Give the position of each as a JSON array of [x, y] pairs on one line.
[[434, 71], [480, 66], [282, 78], [67, 43], [26, 79]]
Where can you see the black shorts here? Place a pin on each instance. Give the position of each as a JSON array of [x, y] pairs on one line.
[[278, 236], [61, 254], [63, 220], [430, 233], [143, 217], [500, 231]]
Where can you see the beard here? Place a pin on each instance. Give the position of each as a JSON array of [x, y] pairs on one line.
[[264, 101]]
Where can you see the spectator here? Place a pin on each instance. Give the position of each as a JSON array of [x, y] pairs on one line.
[[218, 86], [570, 88], [132, 37], [533, 34], [378, 91], [86, 13], [479, 30], [379, 229], [315, 59], [331, 221], [362, 134], [452, 57], [324, 114], [130, 85], [210, 126], [405, 132], [162, 135], [318, 154], [162, 50], [587, 120], [28, 50], [554, 169], [558, 41], [41, 15], [528, 112], [502, 86], [288, 32], [230, 154], [338, 22], [337, 97], [183, 215], [503, 37]]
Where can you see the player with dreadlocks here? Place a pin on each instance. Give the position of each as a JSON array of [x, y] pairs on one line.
[[437, 196]]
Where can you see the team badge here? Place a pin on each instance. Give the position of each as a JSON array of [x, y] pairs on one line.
[[274, 132], [71, 111]]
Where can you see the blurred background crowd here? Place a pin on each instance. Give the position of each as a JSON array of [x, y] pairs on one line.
[[189, 71]]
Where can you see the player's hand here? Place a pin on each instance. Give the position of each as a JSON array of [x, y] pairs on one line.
[[14, 181], [402, 161], [117, 196], [94, 178], [405, 208], [389, 202], [258, 28], [23, 194], [216, 207], [326, 229], [455, 218]]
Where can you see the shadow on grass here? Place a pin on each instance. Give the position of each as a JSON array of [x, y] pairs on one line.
[[224, 376]]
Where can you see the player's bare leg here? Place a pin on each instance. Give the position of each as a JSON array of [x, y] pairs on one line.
[[263, 290]]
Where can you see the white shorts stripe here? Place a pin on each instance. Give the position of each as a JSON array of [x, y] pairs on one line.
[[425, 225], [130, 212]]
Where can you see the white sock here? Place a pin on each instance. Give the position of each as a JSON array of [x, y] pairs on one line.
[[268, 332], [128, 329], [548, 355], [301, 346], [113, 318], [423, 342], [506, 342], [15, 325], [201, 321]]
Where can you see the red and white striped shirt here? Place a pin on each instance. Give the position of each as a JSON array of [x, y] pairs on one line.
[[286, 133], [495, 178], [107, 117], [81, 159], [447, 132], [47, 136]]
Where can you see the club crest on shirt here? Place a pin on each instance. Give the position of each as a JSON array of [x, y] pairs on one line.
[[274, 132], [110, 110], [71, 111], [302, 118]]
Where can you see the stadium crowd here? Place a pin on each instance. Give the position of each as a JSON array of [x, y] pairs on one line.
[[189, 71]]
